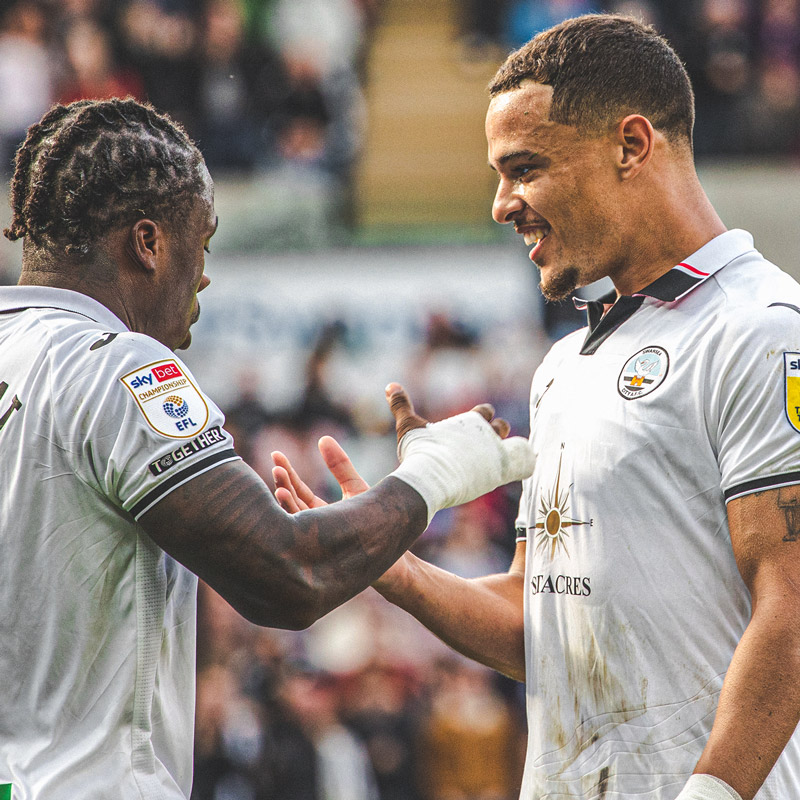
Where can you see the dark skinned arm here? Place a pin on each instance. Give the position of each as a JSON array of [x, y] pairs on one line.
[[279, 569], [287, 570]]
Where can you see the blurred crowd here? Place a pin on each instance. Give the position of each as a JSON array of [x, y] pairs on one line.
[[743, 57], [271, 84], [366, 704], [263, 86]]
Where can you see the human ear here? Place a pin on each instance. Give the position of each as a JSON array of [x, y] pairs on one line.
[[635, 140], [143, 243]]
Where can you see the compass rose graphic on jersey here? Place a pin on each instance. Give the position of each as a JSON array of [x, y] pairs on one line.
[[554, 520]]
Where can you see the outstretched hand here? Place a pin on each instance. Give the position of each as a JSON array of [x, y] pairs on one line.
[[293, 493], [406, 419]]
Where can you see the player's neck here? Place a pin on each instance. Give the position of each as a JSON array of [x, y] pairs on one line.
[[97, 280], [667, 235]]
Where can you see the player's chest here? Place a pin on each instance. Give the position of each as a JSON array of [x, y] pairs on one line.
[[627, 389]]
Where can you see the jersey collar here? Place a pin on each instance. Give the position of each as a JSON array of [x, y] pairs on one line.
[[667, 288], [699, 266], [691, 272], [17, 298]]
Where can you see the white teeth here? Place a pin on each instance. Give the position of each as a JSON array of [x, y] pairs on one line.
[[535, 236]]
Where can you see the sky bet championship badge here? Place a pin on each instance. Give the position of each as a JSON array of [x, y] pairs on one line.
[[791, 366], [170, 402], [643, 373]]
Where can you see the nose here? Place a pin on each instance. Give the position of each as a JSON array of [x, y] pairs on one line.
[[507, 202], [204, 281]]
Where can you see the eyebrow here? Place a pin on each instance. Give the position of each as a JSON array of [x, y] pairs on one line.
[[503, 160]]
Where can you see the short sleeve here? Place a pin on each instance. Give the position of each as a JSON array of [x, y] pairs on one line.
[[133, 420], [755, 402]]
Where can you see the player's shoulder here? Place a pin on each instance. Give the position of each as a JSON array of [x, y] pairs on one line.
[[93, 352], [759, 303], [564, 347]]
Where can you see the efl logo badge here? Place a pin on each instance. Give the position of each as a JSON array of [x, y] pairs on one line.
[[643, 373], [791, 368], [172, 405]]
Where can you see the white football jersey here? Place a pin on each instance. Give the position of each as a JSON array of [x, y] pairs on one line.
[[674, 401], [98, 624]]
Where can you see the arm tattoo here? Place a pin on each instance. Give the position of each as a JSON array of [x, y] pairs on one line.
[[789, 502]]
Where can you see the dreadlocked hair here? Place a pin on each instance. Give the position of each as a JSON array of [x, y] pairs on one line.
[[91, 165]]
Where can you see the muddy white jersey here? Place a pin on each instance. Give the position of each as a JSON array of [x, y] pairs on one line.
[[97, 424], [671, 403]]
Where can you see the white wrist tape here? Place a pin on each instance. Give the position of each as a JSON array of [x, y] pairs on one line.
[[460, 458], [707, 787]]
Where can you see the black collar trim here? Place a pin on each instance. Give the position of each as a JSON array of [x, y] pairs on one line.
[[674, 284], [667, 288], [601, 326]]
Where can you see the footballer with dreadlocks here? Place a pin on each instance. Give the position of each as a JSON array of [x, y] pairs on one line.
[[120, 484]]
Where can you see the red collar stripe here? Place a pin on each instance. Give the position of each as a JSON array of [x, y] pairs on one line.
[[694, 269]]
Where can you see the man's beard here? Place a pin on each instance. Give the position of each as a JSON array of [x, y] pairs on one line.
[[561, 285]]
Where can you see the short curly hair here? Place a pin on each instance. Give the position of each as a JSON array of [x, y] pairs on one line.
[[93, 164], [603, 67]]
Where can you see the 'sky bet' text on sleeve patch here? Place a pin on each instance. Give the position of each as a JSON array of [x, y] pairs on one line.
[[172, 405]]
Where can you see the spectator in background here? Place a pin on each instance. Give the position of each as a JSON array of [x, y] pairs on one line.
[[26, 74], [91, 70], [247, 413], [302, 121], [779, 34], [316, 406], [240, 85], [719, 56], [527, 17], [470, 740], [771, 110], [228, 738], [327, 33], [469, 549], [769, 115], [159, 39], [483, 22], [321, 43], [64, 12], [381, 707], [341, 762]]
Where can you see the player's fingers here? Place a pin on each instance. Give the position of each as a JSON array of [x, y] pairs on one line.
[[295, 483], [284, 494], [287, 501], [486, 410], [501, 427], [405, 418], [341, 467]]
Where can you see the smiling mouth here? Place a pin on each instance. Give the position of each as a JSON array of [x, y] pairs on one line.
[[534, 235]]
